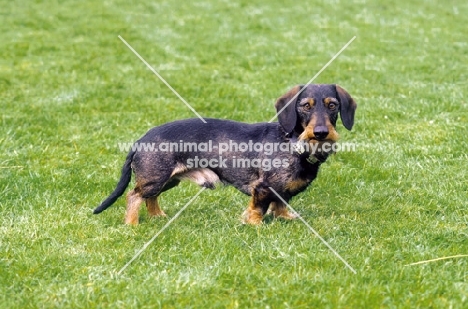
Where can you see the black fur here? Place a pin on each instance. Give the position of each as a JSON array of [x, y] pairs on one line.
[[121, 185]]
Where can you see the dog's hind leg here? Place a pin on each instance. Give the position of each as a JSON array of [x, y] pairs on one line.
[[151, 186], [152, 206], [134, 201]]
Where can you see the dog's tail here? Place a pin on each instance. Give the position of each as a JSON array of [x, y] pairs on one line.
[[121, 185]]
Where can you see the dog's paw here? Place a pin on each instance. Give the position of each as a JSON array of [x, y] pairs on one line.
[[131, 221], [157, 214], [252, 217], [285, 214]]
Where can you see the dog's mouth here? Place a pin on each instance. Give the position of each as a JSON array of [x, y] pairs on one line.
[[314, 150]]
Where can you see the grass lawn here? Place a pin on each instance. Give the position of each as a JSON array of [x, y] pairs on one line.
[[70, 91]]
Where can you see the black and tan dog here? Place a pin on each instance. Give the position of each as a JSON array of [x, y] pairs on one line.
[[310, 118]]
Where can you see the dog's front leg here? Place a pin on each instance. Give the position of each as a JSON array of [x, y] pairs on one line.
[[258, 205], [280, 210]]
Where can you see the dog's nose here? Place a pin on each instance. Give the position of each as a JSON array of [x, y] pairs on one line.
[[320, 132]]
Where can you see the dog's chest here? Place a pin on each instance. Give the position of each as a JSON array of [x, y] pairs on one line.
[[297, 185], [300, 177]]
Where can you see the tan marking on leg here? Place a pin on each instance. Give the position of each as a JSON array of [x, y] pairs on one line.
[[134, 201], [152, 206], [280, 210], [252, 215]]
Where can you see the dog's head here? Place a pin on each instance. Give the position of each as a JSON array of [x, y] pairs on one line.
[[312, 111]]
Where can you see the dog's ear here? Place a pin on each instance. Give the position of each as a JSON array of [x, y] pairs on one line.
[[347, 107], [287, 116]]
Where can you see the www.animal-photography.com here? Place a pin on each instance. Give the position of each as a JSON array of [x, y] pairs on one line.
[[234, 154]]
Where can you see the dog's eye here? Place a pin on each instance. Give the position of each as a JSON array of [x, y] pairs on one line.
[[332, 106], [307, 104]]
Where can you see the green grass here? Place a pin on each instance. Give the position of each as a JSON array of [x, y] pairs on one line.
[[70, 90]]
